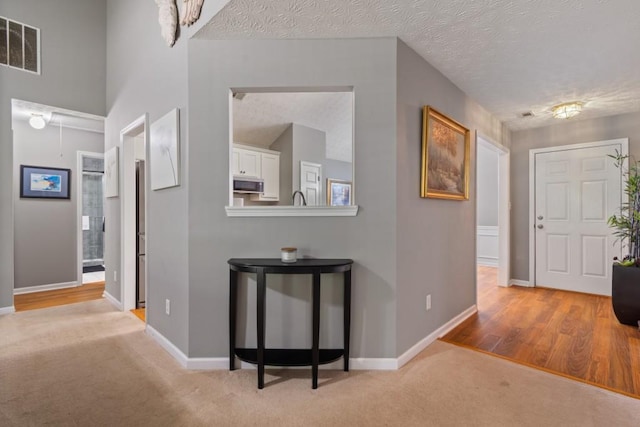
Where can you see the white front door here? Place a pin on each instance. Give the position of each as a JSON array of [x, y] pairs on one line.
[[576, 190], [311, 182]]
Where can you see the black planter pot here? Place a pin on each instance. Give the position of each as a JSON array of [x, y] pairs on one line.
[[625, 294]]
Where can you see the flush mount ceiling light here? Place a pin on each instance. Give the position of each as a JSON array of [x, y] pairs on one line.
[[567, 110], [37, 121]]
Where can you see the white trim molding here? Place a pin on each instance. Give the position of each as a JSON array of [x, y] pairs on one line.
[[208, 363], [257, 211], [524, 283], [192, 363], [438, 333], [487, 245], [80, 155], [168, 346], [7, 310], [41, 288], [114, 302], [355, 363], [127, 195]]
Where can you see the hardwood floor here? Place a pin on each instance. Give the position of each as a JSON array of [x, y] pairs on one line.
[[567, 333], [140, 313], [32, 301]]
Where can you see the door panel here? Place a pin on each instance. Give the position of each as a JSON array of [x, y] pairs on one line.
[[557, 253], [594, 201], [311, 182], [594, 256], [557, 208], [576, 190]]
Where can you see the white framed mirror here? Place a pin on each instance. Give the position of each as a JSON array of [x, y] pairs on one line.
[[291, 152]]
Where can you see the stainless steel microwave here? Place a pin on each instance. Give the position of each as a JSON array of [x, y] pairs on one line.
[[248, 185]]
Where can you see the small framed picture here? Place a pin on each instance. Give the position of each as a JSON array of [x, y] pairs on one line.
[[45, 183], [338, 192]]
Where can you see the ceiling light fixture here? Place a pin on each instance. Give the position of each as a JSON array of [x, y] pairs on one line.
[[567, 110], [37, 121]]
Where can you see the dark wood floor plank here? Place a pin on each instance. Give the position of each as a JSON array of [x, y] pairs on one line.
[[572, 334]]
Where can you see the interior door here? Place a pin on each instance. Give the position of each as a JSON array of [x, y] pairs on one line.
[[311, 182], [141, 244], [576, 190]]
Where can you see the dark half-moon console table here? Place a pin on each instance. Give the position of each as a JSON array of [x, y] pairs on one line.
[[287, 357]]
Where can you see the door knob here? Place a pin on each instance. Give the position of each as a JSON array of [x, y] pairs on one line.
[[540, 217], [540, 226]]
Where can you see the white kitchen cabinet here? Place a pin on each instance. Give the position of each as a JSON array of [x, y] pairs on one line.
[[258, 163], [270, 169], [246, 163]]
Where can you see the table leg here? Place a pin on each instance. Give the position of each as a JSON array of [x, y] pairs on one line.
[[233, 306], [347, 317], [262, 290], [315, 349]]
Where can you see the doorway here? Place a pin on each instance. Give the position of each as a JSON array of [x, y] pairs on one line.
[[134, 143], [90, 205], [574, 190], [311, 182], [492, 211], [47, 226]]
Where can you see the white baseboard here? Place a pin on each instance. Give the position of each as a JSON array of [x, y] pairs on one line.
[[441, 331], [218, 363], [114, 302], [208, 363], [517, 282], [192, 363], [487, 261], [169, 346], [7, 310], [355, 363], [41, 288]]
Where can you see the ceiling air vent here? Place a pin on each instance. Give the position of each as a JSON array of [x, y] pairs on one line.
[[527, 114], [19, 46]]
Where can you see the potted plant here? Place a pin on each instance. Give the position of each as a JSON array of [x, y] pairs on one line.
[[625, 292]]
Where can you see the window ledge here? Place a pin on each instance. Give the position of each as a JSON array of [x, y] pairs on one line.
[[263, 211]]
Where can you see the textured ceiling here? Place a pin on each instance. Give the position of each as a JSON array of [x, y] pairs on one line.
[[260, 118], [510, 56]]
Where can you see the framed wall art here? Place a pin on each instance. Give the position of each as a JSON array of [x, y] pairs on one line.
[[111, 172], [338, 192], [39, 182], [445, 157], [164, 151]]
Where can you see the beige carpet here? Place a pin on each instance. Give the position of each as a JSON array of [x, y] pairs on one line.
[[88, 365]]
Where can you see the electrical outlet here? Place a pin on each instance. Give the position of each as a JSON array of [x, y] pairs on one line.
[[428, 304], [167, 306], [115, 276]]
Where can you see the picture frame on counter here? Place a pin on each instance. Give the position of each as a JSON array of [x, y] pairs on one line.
[[338, 192]]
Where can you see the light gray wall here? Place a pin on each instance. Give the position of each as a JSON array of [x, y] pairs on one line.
[[297, 143], [572, 131], [435, 238], [337, 169], [369, 66], [144, 75], [73, 76], [46, 230], [487, 186], [309, 145], [284, 144]]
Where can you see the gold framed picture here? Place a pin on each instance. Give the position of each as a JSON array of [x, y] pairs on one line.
[[445, 157]]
